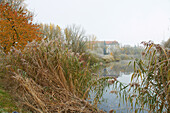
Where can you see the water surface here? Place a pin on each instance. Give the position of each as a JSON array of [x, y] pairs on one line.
[[109, 98]]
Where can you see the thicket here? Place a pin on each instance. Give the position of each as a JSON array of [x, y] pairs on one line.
[[127, 52], [47, 77]]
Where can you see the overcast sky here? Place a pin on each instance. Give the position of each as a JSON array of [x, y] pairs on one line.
[[127, 21]]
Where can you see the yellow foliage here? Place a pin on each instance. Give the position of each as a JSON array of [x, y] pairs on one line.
[[16, 28]]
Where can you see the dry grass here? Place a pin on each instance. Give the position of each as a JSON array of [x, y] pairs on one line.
[[48, 78]]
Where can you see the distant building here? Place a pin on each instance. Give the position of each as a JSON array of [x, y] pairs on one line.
[[106, 45]]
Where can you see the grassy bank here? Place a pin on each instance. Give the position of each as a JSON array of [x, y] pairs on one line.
[[6, 102]]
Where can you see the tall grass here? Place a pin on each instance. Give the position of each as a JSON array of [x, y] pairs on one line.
[[48, 77]]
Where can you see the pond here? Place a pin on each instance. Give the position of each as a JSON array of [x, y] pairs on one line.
[[109, 99]]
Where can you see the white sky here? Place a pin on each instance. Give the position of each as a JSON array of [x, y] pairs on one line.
[[127, 21]]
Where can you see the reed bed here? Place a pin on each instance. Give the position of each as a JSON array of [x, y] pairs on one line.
[[47, 77]]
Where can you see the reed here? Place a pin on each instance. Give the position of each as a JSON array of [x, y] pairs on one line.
[[149, 89], [48, 77], [151, 78]]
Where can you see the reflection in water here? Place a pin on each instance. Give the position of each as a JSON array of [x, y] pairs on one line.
[[116, 69], [106, 93]]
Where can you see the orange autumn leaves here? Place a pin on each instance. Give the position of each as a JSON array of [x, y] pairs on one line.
[[16, 28]]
